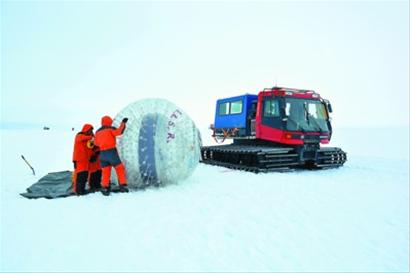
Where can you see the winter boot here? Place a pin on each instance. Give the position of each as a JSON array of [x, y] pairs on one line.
[[105, 191], [124, 188]]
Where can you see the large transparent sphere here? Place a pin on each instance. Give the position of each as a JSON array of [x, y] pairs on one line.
[[160, 144]]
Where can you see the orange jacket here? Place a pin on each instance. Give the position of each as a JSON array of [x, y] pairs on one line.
[[105, 136], [81, 151]]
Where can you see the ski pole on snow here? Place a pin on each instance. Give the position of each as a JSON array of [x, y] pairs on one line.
[[34, 173]]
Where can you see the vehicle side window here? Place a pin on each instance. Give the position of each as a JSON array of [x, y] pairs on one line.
[[230, 108], [236, 107], [224, 108], [271, 108]]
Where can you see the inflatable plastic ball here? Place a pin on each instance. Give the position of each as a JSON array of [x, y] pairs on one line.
[[160, 144]]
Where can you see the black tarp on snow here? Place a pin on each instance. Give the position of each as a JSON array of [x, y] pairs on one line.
[[53, 185]]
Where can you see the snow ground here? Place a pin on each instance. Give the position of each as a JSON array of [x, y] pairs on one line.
[[351, 219]]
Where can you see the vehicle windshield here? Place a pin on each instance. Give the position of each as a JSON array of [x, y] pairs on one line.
[[306, 115]]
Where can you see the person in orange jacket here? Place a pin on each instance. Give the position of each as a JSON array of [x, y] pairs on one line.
[[105, 139], [81, 158]]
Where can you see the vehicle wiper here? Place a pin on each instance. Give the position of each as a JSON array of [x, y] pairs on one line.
[[306, 112]]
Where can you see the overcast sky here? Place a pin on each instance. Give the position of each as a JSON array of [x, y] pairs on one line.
[[70, 63]]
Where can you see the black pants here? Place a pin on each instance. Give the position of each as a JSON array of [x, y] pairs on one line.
[[81, 181], [95, 180], [82, 177]]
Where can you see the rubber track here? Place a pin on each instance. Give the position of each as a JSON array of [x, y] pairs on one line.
[[250, 158], [330, 158], [267, 159]]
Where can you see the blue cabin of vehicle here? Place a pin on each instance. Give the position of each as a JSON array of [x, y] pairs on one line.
[[227, 114]]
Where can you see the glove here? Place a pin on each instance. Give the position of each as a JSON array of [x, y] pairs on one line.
[[96, 150], [75, 164], [125, 120], [93, 158]]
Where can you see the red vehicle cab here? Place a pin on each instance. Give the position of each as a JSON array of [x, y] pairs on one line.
[[292, 116]]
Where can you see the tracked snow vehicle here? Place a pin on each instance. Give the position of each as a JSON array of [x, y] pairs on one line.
[[278, 129]]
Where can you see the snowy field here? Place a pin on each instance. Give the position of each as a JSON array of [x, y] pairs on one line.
[[351, 219]]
